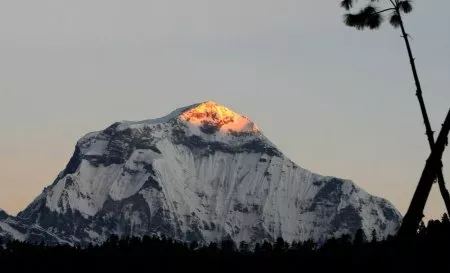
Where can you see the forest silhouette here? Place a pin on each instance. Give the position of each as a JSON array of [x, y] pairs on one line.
[[427, 251]]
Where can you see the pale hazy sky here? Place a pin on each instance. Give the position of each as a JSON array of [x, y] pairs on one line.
[[335, 100]]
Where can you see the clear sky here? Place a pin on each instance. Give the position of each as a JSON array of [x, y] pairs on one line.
[[335, 100]]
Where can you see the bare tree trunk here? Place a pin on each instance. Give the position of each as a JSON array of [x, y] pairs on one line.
[[433, 165], [429, 132]]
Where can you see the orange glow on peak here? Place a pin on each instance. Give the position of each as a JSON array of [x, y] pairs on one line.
[[222, 118]]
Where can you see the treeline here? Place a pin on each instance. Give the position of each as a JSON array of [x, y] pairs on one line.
[[428, 251]]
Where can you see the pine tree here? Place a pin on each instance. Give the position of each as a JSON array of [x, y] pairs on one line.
[[266, 247], [257, 248], [445, 220], [243, 247], [227, 245], [359, 237], [374, 236], [281, 245], [371, 16], [415, 211]]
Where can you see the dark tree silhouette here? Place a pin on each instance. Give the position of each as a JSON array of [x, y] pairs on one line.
[[445, 220], [422, 230], [371, 17], [415, 211], [360, 237], [243, 247], [374, 236], [427, 251]]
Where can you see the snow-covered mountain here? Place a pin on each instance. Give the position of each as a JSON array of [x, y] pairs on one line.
[[201, 173], [14, 228]]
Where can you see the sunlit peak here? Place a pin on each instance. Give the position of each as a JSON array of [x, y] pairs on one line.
[[216, 117]]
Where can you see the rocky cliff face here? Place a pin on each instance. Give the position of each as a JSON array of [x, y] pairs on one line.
[[12, 228], [201, 173]]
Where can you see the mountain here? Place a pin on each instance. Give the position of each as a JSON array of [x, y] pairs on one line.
[[201, 173], [14, 228]]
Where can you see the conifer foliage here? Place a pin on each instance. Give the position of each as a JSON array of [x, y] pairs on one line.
[[371, 16], [427, 251]]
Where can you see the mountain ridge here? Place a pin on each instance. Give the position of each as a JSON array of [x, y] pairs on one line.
[[202, 172]]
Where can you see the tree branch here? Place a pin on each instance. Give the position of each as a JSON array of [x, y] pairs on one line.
[[381, 11], [392, 2]]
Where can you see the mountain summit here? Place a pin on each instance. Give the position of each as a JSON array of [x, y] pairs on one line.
[[201, 173], [210, 117]]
